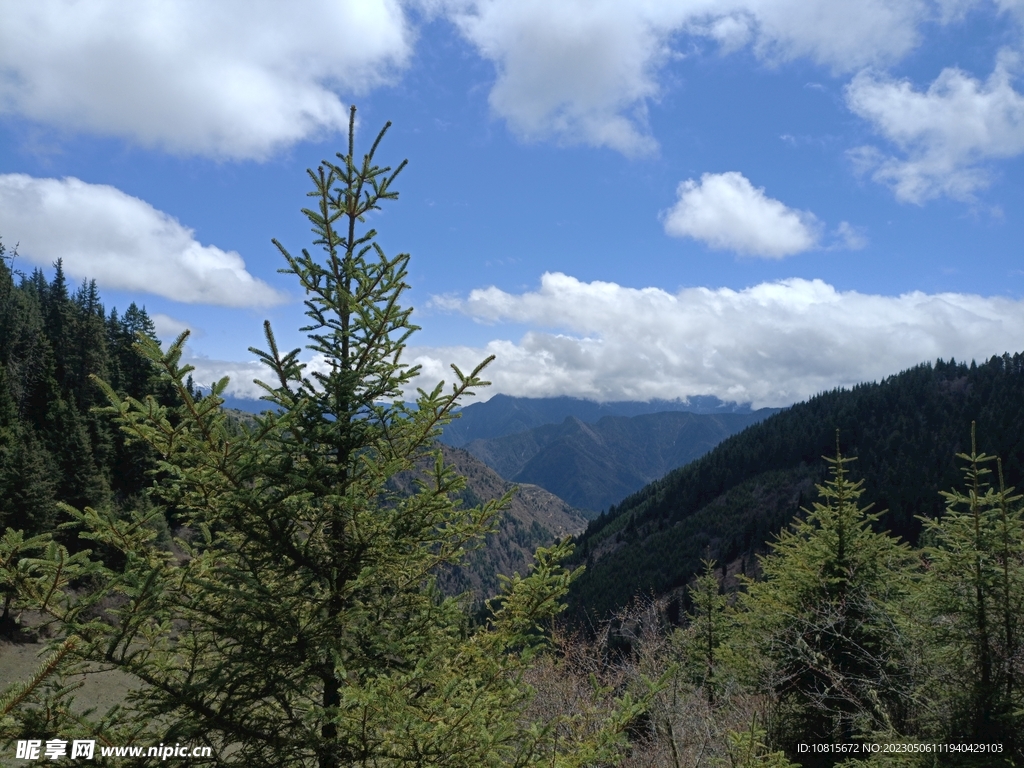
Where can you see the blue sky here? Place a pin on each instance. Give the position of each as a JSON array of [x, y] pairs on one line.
[[757, 199]]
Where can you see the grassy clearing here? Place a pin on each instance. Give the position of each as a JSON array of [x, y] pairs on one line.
[[101, 689]]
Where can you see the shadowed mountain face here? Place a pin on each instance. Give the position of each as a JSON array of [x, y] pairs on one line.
[[904, 432], [507, 415], [595, 465], [535, 518]]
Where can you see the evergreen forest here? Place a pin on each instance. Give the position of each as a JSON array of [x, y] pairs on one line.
[[840, 584], [56, 444]]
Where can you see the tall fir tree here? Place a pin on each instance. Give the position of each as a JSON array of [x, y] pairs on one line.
[[302, 625], [708, 628], [826, 620], [131, 374], [28, 477], [973, 595]]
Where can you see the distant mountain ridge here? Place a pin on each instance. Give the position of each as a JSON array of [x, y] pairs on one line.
[[506, 415], [244, 404], [594, 465]]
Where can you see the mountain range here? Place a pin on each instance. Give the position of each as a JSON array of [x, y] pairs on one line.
[[506, 415], [727, 504], [594, 465]]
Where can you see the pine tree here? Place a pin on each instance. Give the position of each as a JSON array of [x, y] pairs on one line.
[[974, 599], [27, 489], [27, 483], [132, 374], [825, 619], [131, 464], [708, 629], [92, 358], [302, 625], [59, 327]]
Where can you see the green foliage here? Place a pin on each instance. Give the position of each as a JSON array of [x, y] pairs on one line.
[[39, 573], [851, 637], [18, 569], [709, 626], [27, 485], [20, 713], [973, 601], [825, 619], [299, 621], [746, 749]]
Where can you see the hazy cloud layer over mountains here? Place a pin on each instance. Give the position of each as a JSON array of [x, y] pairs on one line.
[[771, 344]]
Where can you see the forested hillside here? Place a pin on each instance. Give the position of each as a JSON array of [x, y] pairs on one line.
[[53, 445], [904, 431]]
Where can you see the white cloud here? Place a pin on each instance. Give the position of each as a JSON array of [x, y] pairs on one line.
[[946, 134], [772, 344], [578, 71], [725, 211], [585, 71], [169, 328], [241, 374], [122, 242], [227, 79], [840, 35]]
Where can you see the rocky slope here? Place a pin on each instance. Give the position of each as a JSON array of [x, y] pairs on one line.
[[535, 518]]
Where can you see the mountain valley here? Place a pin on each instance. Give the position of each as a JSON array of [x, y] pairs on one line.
[[594, 465]]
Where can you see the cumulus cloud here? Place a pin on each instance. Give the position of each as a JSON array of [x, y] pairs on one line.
[[228, 79], [585, 71], [771, 344], [945, 134], [727, 212], [841, 35], [578, 71], [122, 242]]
